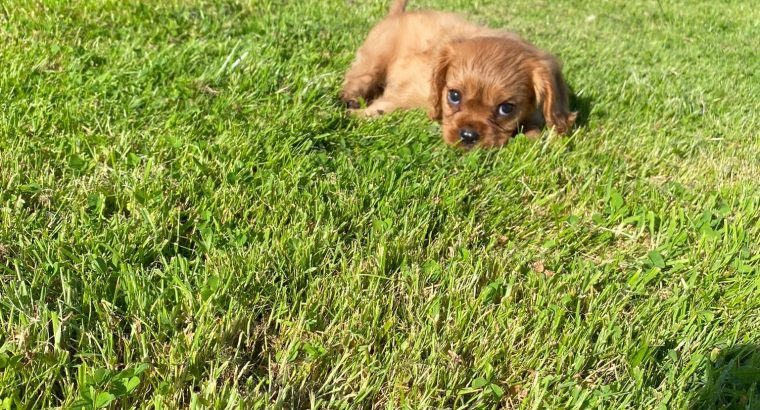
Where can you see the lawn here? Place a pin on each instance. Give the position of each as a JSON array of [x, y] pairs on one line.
[[188, 219]]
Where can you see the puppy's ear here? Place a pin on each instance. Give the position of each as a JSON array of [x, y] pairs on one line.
[[438, 82], [552, 94]]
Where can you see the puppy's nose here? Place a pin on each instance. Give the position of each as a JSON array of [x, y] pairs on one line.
[[468, 135]]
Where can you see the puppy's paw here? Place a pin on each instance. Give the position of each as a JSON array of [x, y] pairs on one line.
[[532, 133], [352, 104], [365, 112]]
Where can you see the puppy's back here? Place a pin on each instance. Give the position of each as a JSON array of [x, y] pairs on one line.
[[422, 31]]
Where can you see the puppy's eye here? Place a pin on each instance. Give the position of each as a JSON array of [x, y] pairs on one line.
[[455, 97], [506, 109]]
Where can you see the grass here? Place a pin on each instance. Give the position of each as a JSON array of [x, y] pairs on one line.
[[187, 219]]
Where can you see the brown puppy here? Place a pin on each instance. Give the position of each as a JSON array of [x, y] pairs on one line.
[[484, 85]]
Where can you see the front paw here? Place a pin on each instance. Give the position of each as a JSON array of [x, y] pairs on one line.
[[532, 133], [352, 104], [365, 112]]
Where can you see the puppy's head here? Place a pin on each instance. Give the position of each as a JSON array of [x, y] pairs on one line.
[[484, 90]]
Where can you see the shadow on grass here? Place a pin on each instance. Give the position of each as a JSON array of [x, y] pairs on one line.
[[582, 105], [732, 381]]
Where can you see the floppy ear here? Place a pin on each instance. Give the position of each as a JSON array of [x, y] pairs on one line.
[[552, 95], [438, 82]]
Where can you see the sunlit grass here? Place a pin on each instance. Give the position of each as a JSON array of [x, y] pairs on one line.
[[187, 218]]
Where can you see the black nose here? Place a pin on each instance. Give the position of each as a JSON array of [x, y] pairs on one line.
[[468, 135]]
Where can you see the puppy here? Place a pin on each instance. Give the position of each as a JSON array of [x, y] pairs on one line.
[[484, 85]]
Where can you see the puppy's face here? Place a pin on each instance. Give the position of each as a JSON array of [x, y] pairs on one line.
[[484, 101], [485, 90]]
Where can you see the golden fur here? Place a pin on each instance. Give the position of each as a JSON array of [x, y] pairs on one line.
[[501, 84]]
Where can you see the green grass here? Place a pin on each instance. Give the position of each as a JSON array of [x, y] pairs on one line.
[[187, 218]]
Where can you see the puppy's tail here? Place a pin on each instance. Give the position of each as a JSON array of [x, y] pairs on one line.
[[397, 7]]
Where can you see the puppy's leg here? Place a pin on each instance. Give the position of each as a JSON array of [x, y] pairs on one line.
[[367, 76], [364, 80], [380, 106]]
